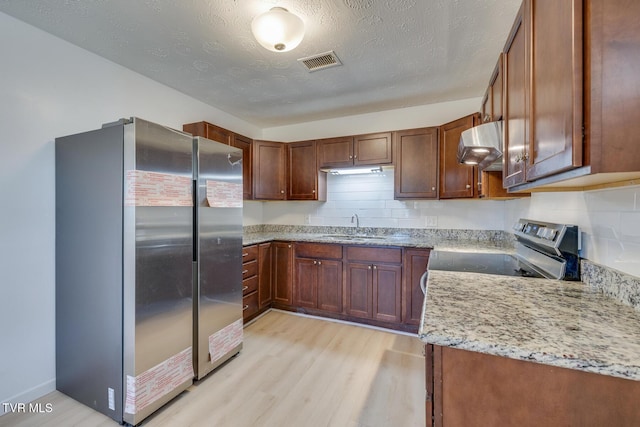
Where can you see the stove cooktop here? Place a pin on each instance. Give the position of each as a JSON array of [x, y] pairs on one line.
[[478, 262]]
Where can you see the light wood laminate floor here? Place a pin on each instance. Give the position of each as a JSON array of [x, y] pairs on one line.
[[293, 371]]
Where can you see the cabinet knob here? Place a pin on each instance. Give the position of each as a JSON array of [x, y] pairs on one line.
[[375, 267], [281, 191], [245, 307], [313, 191], [315, 262], [468, 186], [433, 188], [319, 262], [289, 246], [369, 267]]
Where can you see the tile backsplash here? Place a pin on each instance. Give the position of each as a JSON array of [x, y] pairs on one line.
[[609, 219]]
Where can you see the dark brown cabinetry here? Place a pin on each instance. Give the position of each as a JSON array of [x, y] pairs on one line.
[[318, 276], [269, 170], [456, 180], [360, 150], [282, 274], [414, 264], [466, 388], [216, 133], [416, 168], [249, 282], [491, 110], [244, 143], [544, 78], [374, 283], [304, 179], [572, 108], [265, 276]]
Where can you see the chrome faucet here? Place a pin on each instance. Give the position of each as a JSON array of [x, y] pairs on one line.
[[357, 219]]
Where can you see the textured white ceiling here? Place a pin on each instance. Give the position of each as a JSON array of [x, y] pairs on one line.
[[395, 53]]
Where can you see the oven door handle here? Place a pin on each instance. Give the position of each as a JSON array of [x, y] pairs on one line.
[[423, 281]]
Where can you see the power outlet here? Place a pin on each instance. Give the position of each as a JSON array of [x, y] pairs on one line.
[[431, 221]]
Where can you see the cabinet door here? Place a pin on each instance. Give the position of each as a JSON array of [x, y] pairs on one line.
[[387, 291], [516, 108], [209, 131], [497, 90], [556, 87], [244, 143], [265, 278], [282, 273], [329, 285], [456, 180], [269, 167], [304, 181], [359, 290], [415, 264], [306, 280], [372, 149], [335, 152], [416, 171]]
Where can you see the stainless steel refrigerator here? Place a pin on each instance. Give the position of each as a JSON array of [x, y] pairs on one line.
[[217, 327], [125, 261]]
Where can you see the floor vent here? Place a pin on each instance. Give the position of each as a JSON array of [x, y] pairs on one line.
[[320, 61]]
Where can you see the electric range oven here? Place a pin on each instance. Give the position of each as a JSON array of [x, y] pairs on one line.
[[543, 249]]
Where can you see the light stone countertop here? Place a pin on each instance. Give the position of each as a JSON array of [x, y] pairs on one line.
[[401, 240], [559, 323]]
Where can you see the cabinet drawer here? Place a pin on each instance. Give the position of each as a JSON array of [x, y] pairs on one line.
[[367, 254], [249, 285], [249, 269], [250, 305], [249, 253], [318, 250]]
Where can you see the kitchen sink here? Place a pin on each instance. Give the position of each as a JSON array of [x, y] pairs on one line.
[[353, 237]]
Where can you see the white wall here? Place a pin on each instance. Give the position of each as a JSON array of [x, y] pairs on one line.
[[405, 118], [609, 221], [371, 197], [50, 88]]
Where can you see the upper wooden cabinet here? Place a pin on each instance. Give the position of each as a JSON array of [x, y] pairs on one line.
[[456, 180], [244, 143], [304, 179], [572, 101], [209, 131], [269, 170], [360, 150], [416, 169], [491, 110], [216, 133]]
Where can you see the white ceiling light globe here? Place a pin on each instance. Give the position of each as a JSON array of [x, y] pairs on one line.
[[278, 30]]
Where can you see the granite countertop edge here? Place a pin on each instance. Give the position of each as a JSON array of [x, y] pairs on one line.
[[560, 324]]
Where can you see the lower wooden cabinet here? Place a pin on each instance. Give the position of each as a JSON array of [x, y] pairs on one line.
[[249, 282], [282, 265], [466, 388], [265, 276], [374, 283], [318, 276], [415, 264]]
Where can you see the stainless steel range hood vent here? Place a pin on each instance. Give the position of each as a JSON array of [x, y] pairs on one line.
[[482, 146]]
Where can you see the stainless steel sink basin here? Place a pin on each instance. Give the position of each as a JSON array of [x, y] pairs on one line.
[[353, 237]]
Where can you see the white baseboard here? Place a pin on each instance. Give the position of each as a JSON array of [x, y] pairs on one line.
[[29, 395]]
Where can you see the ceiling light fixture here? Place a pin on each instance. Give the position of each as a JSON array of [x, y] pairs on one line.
[[278, 30]]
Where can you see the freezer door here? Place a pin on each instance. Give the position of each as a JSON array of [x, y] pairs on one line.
[[158, 256], [218, 307]]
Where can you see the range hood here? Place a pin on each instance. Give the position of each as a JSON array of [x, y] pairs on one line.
[[482, 145]]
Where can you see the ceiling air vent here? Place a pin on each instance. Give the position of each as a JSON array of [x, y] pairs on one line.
[[320, 61]]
